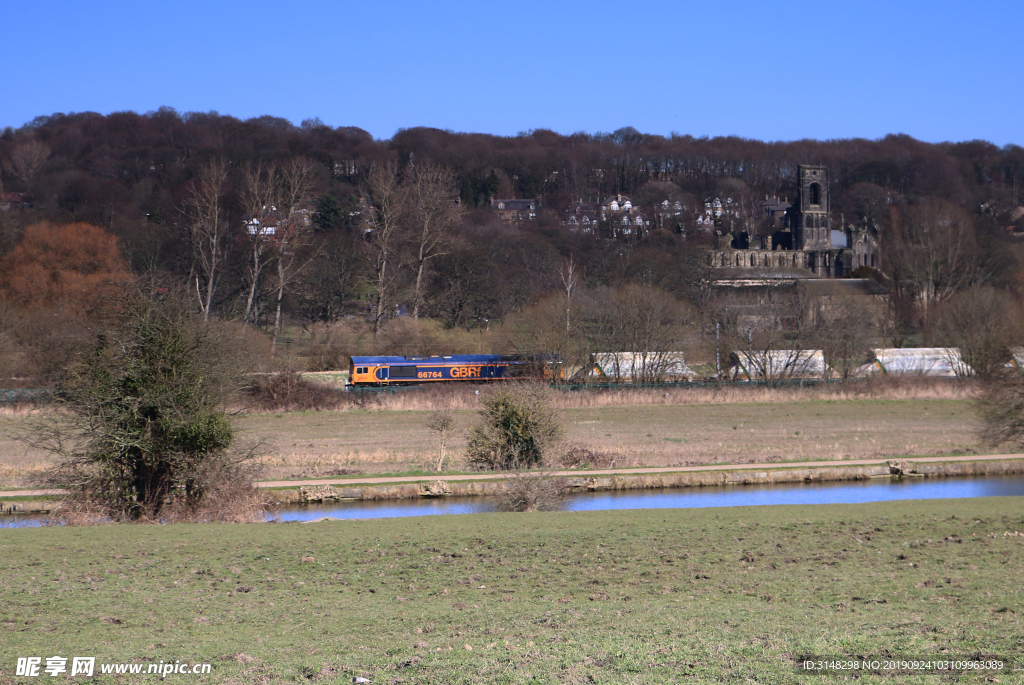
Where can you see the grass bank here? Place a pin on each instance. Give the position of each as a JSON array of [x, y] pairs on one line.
[[716, 595]]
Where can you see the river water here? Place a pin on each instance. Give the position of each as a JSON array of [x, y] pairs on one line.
[[842, 492]]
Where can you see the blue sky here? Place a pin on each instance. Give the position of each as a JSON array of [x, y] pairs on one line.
[[937, 70]]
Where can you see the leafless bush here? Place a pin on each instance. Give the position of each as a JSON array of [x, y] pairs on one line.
[[228, 495], [288, 391], [222, 489], [1001, 408], [323, 357], [580, 457], [533, 491], [78, 511]]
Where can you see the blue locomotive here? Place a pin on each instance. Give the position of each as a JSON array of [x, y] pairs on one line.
[[391, 370]]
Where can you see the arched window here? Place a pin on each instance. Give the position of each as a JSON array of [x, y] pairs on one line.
[[815, 194], [808, 222]]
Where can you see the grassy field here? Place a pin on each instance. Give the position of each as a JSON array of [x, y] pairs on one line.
[[655, 596], [312, 444], [321, 443]]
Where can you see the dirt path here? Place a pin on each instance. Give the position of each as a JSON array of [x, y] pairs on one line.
[[605, 472]]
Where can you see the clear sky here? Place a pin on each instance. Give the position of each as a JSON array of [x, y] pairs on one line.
[[936, 70]]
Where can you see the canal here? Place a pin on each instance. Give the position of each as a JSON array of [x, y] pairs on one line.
[[840, 492]]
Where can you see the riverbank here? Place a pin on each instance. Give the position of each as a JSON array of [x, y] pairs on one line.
[[656, 596], [647, 479]]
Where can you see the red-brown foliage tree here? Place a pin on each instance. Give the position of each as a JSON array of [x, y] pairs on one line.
[[69, 267]]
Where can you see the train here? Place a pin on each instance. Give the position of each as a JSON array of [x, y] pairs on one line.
[[461, 368]]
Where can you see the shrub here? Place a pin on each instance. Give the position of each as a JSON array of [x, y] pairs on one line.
[[518, 428], [1001, 409], [532, 492], [288, 391], [145, 426], [582, 457]]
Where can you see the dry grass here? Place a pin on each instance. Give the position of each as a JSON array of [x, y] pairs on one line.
[[19, 463], [729, 424], [371, 441], [457, 397]]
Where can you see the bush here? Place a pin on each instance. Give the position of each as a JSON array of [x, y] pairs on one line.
[[1001, 409], [519, 428], [532, 492], [287, 391], [145, 428], [581, 457]]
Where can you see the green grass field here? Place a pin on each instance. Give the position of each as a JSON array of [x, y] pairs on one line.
[[655, 596]]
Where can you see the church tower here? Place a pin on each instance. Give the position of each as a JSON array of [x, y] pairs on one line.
[[813, 228]]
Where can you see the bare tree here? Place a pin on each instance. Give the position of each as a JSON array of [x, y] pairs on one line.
[[551, 332], [262, 220], [642, 327], [27, 160], [770, 333], [442, 422], [930, 249], [389, 202], [433, 214], [984, 324], [844, 328], [292, 247], [569, 273], [207, 229], [899, 316], [270, 195]]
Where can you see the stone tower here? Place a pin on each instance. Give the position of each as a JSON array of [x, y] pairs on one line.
[[813, 229]]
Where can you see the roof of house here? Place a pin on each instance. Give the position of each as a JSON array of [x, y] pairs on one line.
[[774, 204], [514, 204]]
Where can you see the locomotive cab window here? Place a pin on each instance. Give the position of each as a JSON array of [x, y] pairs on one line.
[[360, 369]]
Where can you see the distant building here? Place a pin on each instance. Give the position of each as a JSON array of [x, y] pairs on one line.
[[773, 209], [515, 211], [622, 217], [581, 217], [802, 235], [9, 201], [271, 223]]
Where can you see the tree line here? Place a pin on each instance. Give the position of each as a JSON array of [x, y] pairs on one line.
[[267, 222]]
